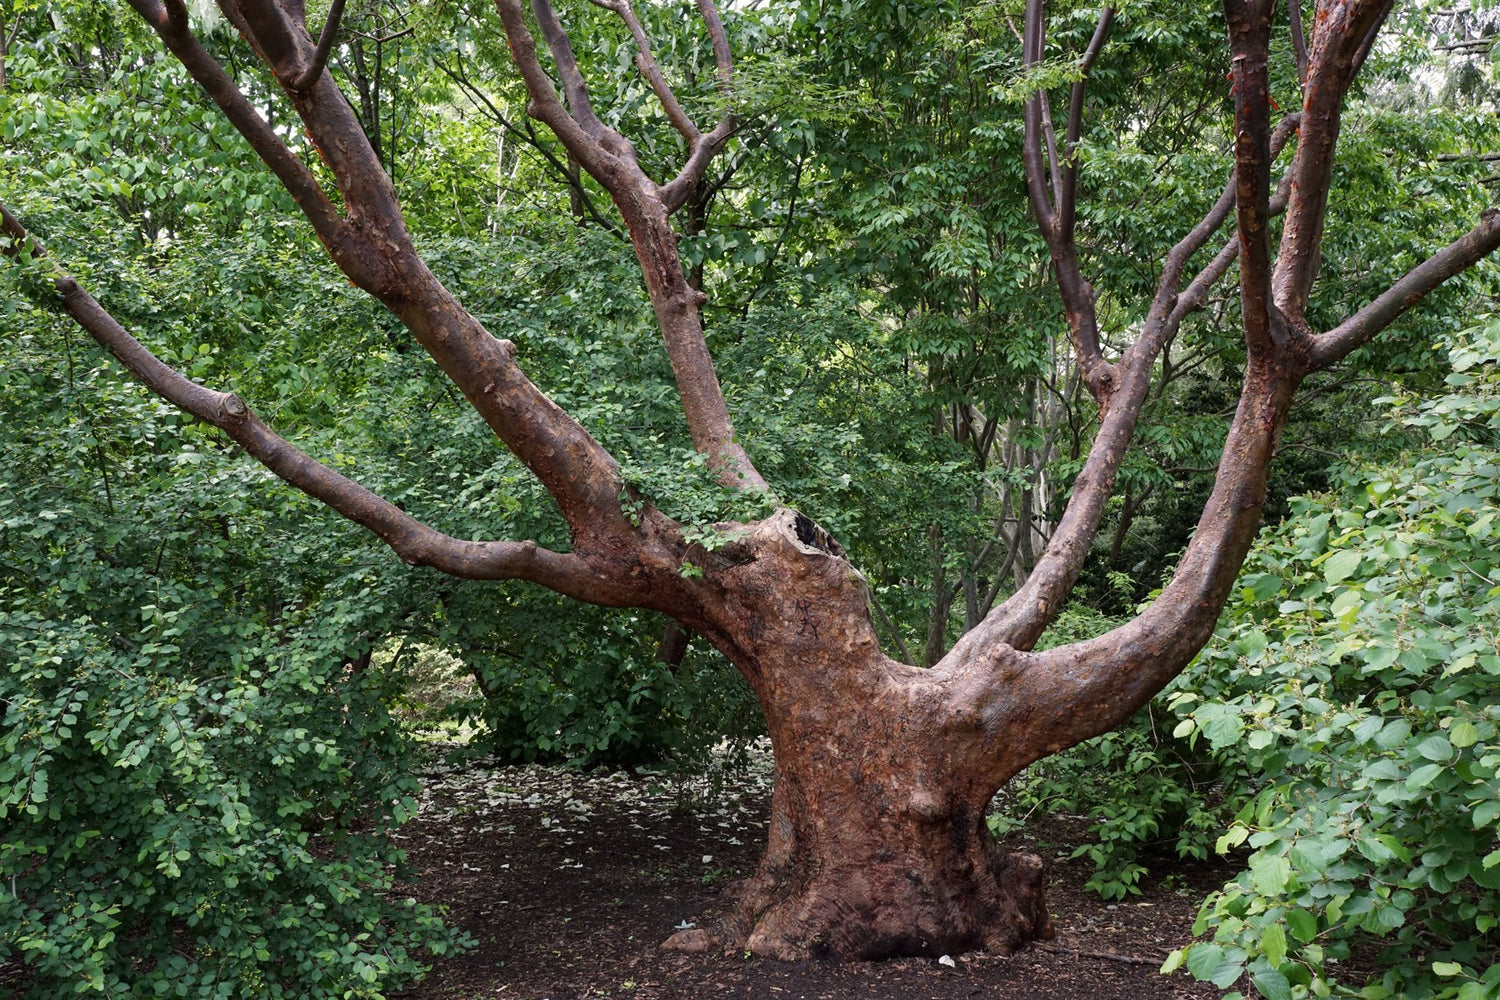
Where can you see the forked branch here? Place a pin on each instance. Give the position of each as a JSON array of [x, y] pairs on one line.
[[646, 208], [325, 47], [1051, 176]]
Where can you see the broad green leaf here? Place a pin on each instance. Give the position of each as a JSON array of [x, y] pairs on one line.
[[1272, 985], [1273, 944], [1302, 924], [1269, 874], [1423, 776], [1204, 959], [1341, 565], [1463, 734]]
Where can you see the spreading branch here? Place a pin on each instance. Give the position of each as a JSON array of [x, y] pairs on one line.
[[415, 542], [373, 248], [1468, 249]]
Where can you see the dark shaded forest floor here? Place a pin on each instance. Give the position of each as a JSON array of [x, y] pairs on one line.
[[569, 882]]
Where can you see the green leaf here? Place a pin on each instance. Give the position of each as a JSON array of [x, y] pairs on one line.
[[1423, 776], [1273, 944], [1270, 873], [1463, 734], [1204, 959], [1233, 838], [1435, 748], [1447, 968], [1393, 734], [1341, 565], [1303, 925], [1272, 985]]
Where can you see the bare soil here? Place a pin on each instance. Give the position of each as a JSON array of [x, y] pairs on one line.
[[570, 881]]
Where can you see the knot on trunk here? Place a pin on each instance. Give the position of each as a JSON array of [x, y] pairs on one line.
[[812, 537]]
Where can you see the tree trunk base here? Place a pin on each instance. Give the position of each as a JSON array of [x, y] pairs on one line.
[[884, 911]]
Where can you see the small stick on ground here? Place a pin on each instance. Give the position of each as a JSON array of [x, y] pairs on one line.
[[1106, 955]]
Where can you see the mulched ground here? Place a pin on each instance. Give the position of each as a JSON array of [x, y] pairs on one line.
[[569, 882]]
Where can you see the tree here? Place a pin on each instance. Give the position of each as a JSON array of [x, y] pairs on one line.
[[878, 844]]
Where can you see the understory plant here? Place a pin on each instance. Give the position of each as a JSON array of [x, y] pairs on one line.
[[199, 776], [1358, 707]]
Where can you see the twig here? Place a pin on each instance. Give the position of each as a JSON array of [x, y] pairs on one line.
[[1107, 956]]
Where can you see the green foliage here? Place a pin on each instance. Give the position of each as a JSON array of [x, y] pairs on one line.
[[198, 836], [1355, 687], [584, 685], [1140, 790], [198, 779]]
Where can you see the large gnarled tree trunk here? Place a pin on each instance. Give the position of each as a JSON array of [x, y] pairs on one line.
[[878, 844]]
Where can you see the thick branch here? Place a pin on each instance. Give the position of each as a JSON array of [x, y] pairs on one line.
[[1197, 290], [573, 84], [374, 213], [1043, 202], [1167, 298], [1118, 672], [1462, 253], [719, 38], [676, 192], [1019, 621]]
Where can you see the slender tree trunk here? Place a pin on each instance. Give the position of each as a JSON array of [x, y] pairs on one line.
[[941, 600]]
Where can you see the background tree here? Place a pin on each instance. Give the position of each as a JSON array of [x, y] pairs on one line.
[[878, 842]]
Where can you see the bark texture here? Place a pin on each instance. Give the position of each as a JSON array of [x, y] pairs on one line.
[[878, 844]]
